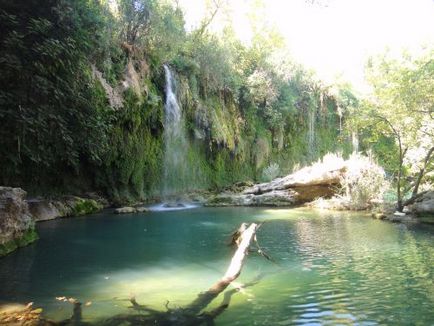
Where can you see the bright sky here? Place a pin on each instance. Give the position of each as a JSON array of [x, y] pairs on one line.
[[336, 38]]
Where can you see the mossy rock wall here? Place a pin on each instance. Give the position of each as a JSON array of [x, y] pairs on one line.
[[25, 239], [17, 227]]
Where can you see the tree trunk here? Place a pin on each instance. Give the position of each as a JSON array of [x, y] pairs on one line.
[[233, 271], [422, 172], [399, 205]]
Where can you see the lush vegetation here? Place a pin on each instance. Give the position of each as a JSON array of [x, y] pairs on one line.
[[82, 94], [397, 121], [82, 102]]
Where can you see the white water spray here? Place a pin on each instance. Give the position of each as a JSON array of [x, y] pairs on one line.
[[355, 141], [176, 170]]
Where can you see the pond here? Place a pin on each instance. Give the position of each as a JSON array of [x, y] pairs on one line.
[[330, 267]]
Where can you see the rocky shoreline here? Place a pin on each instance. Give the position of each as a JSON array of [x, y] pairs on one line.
[[43, 209], [317, 186]]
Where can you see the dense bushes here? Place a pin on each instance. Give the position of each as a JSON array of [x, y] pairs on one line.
[[50, 122]]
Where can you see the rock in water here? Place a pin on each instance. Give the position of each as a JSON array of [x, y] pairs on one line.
[[17, 227], [423, 207], [305, 185], [125, 210], [173, 205]]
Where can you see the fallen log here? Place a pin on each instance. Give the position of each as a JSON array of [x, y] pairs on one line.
[[233, 271]]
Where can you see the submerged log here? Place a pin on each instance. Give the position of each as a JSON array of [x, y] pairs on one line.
[[233, 271], [236, 236]]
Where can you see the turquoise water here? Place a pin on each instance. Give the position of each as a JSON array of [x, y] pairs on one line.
[[331, 268]]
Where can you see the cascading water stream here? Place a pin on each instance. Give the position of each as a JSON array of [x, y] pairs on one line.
[[311, 133], [175, 165], [355, 141]]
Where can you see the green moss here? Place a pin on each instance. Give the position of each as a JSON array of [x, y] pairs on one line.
[[28, 237], [7, 247], [86, 206]]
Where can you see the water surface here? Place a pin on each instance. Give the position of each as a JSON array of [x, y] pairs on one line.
[[331, 268]]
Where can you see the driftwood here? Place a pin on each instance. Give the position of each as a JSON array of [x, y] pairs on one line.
[[233, 271]]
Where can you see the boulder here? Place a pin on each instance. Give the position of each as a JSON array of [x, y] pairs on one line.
[[275, 198], [125, 210], [272, 198], [174, 204], [379, 215], [423, 207], [46, 209], [322, 175], [17, 227], [82, 206], [402, 218], [240, 186], [305, 185], [230, 199], [424, 204]]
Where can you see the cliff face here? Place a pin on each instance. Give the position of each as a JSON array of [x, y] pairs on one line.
[[17, 227]]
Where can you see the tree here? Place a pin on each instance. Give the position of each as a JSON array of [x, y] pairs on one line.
[[47, 110], [401, 108], [135, 17]]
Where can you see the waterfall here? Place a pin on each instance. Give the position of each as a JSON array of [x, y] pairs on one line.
[[355, 141], [311, 132], [175, 164], [340, 114]]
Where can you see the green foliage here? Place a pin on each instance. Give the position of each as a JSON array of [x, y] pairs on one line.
[[131, 168], [135, 16], [398, 118], [244, 106], [85, 206], [46, 88]]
